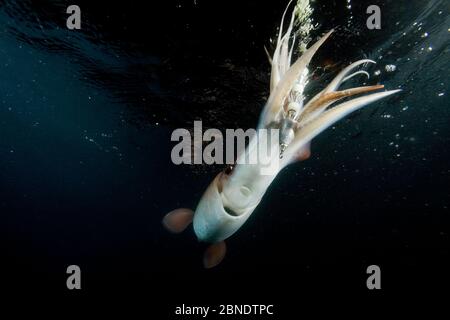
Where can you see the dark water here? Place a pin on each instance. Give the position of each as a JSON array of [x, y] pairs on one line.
[[85, 169]]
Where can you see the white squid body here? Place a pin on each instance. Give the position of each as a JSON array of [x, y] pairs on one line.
[[231, 198]]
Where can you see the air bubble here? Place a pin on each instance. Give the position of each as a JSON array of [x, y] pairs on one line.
[[390, 68]]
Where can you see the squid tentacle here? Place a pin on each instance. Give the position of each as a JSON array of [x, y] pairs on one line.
[[337, 81], [275, 103], [355, 74], [275, 74], [321, 104], [284, 63], [328, 118]]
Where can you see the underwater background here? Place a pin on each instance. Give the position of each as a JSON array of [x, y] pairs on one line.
[[86, 175]]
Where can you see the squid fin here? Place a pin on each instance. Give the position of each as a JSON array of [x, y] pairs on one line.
[[214, 254], [178, 220]]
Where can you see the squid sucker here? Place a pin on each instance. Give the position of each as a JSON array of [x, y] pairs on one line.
[[234, 194]]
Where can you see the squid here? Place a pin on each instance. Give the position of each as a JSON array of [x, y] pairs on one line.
[[235, 193]]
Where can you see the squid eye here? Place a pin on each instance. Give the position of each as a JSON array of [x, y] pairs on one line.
[[228, 170]]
